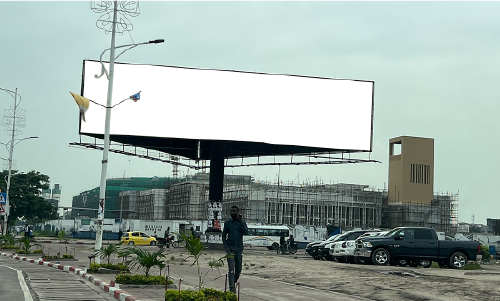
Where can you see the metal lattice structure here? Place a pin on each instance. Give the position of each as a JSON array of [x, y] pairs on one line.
[[126, 9], [14, 119], [441, 214]]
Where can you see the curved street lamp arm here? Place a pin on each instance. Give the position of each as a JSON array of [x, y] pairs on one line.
[[131, 46], [13, 94]]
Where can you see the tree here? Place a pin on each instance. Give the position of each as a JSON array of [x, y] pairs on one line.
[[194, 246], [25, 198], [474, 229]]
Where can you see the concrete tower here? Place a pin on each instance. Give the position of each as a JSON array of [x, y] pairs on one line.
[[411, 170]]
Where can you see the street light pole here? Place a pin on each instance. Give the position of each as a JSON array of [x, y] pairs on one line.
[[11, 151], [104, 169], [104, 162]]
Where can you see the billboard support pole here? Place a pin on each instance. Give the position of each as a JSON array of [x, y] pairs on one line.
[[216, 187]]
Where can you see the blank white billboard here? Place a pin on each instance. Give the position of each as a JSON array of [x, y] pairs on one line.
[[202, 104]]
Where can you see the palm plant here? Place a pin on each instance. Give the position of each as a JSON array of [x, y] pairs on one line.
[[145, 259], [7, 239], [26, 244], [106, 252]]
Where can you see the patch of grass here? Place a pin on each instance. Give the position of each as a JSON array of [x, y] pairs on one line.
[[295, 257], [246, 268], [182, 263], [435, 265], [262, 266], [172, 257], [471, 266], [245, 264], [252, 264]]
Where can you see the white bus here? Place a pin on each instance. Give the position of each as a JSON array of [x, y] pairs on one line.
[[265, 236]]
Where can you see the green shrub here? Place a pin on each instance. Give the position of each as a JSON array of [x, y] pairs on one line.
[[486, 253], [140, 279], [94, 267], [37, 252], [5, 247], [68, 256], [212, 294], [206, 294]]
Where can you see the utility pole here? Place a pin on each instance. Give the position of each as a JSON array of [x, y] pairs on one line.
[[12, 118]]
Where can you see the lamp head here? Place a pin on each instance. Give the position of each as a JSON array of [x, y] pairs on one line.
[[158, 41]]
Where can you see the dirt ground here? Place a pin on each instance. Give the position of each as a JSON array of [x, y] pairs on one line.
[[384, 283], [381, 283]]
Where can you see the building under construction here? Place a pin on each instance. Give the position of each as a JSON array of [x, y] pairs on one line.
[[441, 214], [312, 204], [122, 197]]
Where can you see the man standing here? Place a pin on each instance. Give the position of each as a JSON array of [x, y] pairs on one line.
[[26, 231], [232, 238]]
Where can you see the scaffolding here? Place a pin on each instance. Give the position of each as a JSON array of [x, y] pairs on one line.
[[441, 214], [314, 204]]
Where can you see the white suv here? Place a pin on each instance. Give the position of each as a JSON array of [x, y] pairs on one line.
[[343, 251]]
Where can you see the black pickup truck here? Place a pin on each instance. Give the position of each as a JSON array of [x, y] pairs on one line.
[[416, 246]]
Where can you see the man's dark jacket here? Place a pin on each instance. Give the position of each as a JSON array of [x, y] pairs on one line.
[[232, 236]]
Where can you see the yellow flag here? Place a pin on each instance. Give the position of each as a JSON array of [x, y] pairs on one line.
[[83, 103]]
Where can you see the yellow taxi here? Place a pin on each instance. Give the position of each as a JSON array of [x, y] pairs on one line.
[[138, 238]]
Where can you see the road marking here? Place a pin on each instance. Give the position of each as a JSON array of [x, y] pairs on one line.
[[24, 287]]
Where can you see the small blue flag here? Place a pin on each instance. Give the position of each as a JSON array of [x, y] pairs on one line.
[[136, 96]]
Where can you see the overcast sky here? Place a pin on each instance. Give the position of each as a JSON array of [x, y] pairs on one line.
[[435, 66]]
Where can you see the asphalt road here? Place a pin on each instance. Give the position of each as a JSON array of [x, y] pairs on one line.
[[44, 283], [12, 284]]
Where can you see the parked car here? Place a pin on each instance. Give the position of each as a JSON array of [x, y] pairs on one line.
[[417, 246], [138, 238], [343, 251], [313, 247], [324, 248]]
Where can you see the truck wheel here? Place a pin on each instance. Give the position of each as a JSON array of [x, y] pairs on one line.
[[457, 260], [381, 257], [274, 246], [153, 243], [425, 263]]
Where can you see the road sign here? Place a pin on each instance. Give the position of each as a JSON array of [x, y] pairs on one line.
[[3, 198], [1, 209]]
